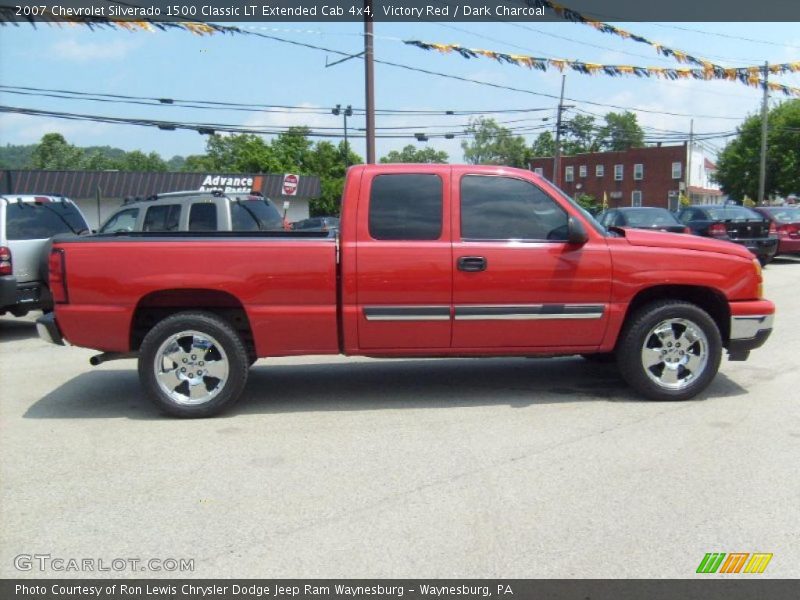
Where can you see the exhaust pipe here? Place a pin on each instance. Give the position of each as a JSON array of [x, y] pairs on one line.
[[99, 359]]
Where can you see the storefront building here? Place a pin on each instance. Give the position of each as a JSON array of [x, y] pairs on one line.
[[99, 193]]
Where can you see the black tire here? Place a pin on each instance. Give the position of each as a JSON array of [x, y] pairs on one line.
[[603, 358], [680, 360], [200, 352]]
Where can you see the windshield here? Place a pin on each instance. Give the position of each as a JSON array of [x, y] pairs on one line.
[[732, 213], [41, 220], [649, 217], [785, 214]]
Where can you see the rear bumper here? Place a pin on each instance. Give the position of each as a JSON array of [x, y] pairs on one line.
[[8, 292], [16, 296], [761, 247], [748, 332], [789, 246], [47, 328]]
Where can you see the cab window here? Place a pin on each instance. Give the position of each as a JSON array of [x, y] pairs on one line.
[[406, 207], [505, 208]]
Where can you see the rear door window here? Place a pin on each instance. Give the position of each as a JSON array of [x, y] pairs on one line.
[[406, 207], [162, 218], [35, 221], [203, 217]]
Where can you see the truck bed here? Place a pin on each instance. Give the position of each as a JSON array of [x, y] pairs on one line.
[[285, 282]]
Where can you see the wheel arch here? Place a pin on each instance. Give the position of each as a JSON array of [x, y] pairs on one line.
[[711, 300], [157, 306]]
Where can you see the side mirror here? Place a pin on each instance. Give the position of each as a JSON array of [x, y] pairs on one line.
[[576, 232]]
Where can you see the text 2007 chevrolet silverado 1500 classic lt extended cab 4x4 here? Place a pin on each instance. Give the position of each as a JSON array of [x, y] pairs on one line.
[[431, 261]]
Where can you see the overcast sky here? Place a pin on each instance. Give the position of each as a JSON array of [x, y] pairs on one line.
[[250, 70]]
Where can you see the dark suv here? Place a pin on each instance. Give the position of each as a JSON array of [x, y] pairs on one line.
[[733, 223]]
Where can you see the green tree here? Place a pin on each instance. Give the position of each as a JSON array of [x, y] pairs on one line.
[[621, 132], [579, 135], [328, 161], [739, 163], [139, 161], [291, 149], [98, 161], [544, 145], [235, 154], [589, 202], [53, 152], [412, 154], [492, 144]]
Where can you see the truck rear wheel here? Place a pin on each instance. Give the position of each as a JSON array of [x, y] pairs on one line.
[[193, 364], [669, 350]]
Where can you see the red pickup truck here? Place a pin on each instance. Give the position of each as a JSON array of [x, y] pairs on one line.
[[430, 261]]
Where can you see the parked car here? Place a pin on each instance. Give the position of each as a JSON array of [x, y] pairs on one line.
[[733, 223], [317, 224], [786, 220], [196, 211], [432, 260], [26, 225], [642, 217]]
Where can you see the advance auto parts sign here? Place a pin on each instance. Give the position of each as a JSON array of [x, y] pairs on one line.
[[226, 184]]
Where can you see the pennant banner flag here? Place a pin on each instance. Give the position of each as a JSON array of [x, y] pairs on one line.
[[749, 76], [569, 14]]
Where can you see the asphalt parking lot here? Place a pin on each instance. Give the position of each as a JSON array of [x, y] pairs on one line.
[[334, 467]]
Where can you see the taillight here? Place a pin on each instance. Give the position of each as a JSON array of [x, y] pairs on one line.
[[790, 229], [687, 230], [58, 276], [717, 230], [5, 261]]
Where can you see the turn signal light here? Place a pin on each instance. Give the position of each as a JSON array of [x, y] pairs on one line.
[[759, 276]]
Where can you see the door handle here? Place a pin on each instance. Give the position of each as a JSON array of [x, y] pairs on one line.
[[471, 264]]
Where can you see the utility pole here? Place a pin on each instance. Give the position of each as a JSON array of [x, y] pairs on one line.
[[347, 112], [688, 175], [557, 156], [369, 80], [762, 172]]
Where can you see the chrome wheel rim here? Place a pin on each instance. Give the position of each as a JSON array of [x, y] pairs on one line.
[[191, 368], [675, 353]]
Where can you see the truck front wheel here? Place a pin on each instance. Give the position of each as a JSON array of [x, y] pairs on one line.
[[193, 364], [669, 350]]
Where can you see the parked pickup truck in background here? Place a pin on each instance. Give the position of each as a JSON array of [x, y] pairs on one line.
[[430, 261]]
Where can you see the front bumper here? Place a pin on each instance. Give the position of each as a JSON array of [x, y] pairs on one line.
[[47, 328], [748, 332]]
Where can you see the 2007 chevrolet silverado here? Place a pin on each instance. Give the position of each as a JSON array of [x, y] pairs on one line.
[[431, 261]]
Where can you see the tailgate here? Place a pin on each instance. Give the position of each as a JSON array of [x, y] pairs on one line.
[[26, 256]]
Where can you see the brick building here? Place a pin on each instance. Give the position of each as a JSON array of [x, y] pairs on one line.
[[651, 176]]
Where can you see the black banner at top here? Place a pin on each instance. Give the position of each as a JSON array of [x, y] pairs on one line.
[[401, 10]]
